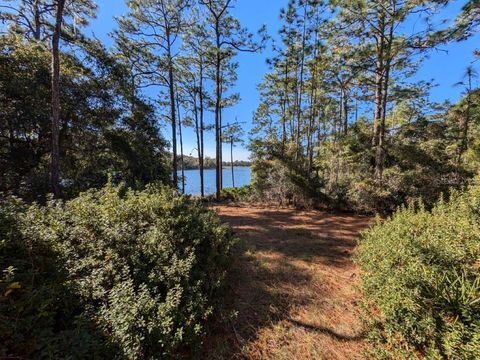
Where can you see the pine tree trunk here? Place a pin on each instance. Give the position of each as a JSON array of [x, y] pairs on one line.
[[218, 143], [284, 110], [300, 87], [313, 103], [181, 146], [356, 110], [231, 161], [197, 135], [201, 155], [55, 155], [345, 111], [221, 138], [310, 125], [380, 150], [381, 146], [173, 120], [36, 20], [379, 76]]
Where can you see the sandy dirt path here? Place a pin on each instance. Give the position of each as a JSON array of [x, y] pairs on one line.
[[292, 287]]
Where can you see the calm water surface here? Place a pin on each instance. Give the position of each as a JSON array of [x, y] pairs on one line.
[[192, 179]]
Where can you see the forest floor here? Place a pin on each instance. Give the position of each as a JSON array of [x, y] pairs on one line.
[[293, 286]]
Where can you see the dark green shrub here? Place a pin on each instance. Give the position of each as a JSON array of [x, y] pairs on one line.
[[107, 276], [236, 193], [279, 182], [421, 280]]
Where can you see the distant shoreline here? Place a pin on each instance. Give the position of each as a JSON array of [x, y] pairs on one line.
[[213, 168], [192, 163]]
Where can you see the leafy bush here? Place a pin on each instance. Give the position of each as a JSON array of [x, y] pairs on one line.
[[398, 187], [136, 276], [285, 182], [421, 279], [236, 193]]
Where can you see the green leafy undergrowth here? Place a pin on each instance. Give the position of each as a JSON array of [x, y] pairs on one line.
[[108, 275], [421, 280]]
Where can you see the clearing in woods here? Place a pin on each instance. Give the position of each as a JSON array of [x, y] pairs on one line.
[[293, 287]]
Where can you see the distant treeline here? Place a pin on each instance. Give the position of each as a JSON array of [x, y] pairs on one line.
[[190, 163]]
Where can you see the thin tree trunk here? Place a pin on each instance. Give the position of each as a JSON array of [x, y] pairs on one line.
[[312, 124], [313, 102], [37, 21], [11, 136], [218, 99], [231, 161], [55, 156], [379, 75], [287, 101], [284, 110], [341, 116], [201, 156], [300, 87], [334, 129], [133, 94], [356, 110], [378, 106], [380, 150], [345, 111], [221, 137], [321, 135], [181, 145], [171, 86], [197, 135]]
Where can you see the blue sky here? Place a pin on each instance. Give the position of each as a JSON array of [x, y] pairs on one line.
[[445, 67]]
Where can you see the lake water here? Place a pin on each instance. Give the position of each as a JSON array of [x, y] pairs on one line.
[[242, 175]]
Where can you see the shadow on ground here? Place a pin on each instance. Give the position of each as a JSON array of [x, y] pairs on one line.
[[272, 276]]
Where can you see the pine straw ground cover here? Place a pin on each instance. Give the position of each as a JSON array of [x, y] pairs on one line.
[[293, 289]]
